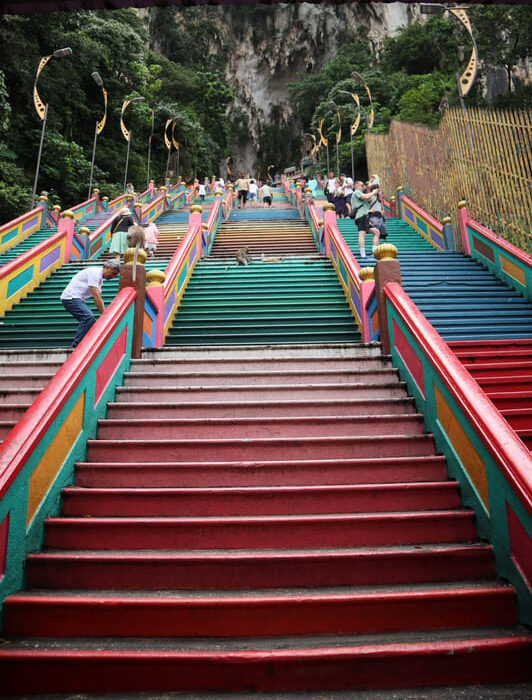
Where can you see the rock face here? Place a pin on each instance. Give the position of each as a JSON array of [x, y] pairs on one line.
[[270, 46]]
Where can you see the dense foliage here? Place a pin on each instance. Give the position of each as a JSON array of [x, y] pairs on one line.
[[117, 45], [176, 61], [412, 78]]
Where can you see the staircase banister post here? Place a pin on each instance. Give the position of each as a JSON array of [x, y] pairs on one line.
[[387, 270], [43, 203], [447, 232], [329, 219], [66, 225], [139, 285], [462, 222], [398, 201]]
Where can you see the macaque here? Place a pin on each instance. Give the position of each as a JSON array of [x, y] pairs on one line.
[[242, 256], [136, 238]]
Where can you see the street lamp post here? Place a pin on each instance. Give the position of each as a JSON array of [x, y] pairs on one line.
[[169, 143], [149, 148], [126, 133], [465, 81], [323, 140], [99, 124], [42, 110], [353, 128], [338, 137]]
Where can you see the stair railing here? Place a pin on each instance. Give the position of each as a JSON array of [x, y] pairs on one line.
[[39, 454], [359, 289], [210, 227], [510, 264], [228, 203], [163, 298], [439, 235], [88, 208], [23, 274], [14, 232], [491, 464]]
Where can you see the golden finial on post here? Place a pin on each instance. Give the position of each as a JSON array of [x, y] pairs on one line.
[[67, 214], [385, 251], [446, 220], [84, 231], [367, 274], [328, 207], [43, 197], [462, 203], [307, 190], [196, 209], [218, 193], [129, 256], [155, 278], [205, 226]]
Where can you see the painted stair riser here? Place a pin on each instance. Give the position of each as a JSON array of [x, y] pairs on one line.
[[214, 365], [24, 382], [12, 412], [266, 393], [259, 449], [296, 473], [510, 400], [275, 532], [41, 616], [259, 501], [232, 380], [387, 665], [226, 429], [262, 409], [232, 570], [261, 337]]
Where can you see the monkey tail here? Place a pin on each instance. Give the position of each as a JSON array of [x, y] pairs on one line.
[[134, 276]]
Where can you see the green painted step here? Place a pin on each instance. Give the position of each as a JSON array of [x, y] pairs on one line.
[[27, 244], [298, 300]]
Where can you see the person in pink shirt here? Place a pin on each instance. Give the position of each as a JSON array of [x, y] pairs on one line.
[[152, 239]]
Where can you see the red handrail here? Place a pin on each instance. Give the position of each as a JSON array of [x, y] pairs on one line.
[[508, 451], [30, 429]]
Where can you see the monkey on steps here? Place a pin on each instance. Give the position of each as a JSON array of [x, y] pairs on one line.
[[136, 238]]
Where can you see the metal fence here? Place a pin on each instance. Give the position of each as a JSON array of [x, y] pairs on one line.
[[479, 155]]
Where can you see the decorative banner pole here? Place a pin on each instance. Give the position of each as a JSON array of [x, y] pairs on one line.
[[149, 147], [99, 124], [127, 134], [338, 137], [371, 114], [269, 174], [354, 127], [42, 110], [323, 140], [176, 143]]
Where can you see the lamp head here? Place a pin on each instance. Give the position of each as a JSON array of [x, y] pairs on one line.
[[137, 99], [429, 8], [356, 75], [97, 79], [59, 53]]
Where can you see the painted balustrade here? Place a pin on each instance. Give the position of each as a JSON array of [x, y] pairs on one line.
[[360, 293], [23, 226], [210, 227], [37, 457], [509, 263], [165, 290], [425, 224], [154, 209], [88, 208], [491, 464], [228, 203], [23, 274]]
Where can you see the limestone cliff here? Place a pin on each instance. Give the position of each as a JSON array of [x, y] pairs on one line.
[[270, 46]]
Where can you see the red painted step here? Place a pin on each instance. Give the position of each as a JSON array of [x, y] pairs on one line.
[[273, 614], [262, 473], [246, 393], [259, 409], [371, 665], [250, 428], [259, 501], [259, 449], [272, 532], [236, 570]]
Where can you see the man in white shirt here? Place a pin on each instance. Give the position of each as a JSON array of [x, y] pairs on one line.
[[85, 284], [330, 187]]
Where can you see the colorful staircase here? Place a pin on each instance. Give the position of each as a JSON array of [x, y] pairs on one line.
[[293, 298], [261, 519], [23, 375], [503, 368], [27, 244], [460, 298]]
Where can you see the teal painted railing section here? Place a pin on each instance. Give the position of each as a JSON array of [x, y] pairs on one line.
[[315, 224], [491, 464], [228, 203], [39, 454], [425, 224], [23, 274], [86, 209], [163, 300], [23, 226], [154, 209], [360, 294], [211, 225], [510, 264]]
